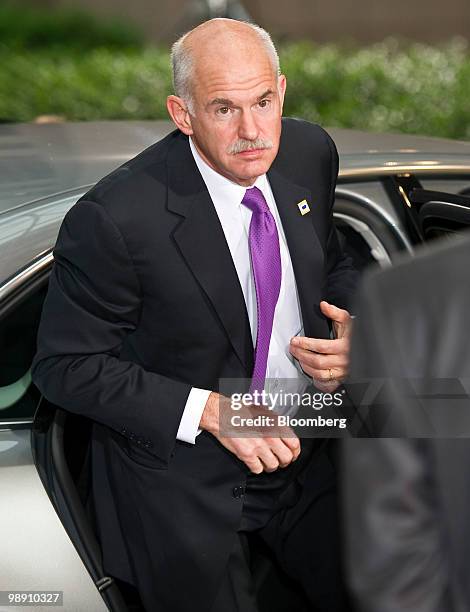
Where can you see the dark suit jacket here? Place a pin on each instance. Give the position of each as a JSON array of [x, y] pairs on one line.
[[144, 302], [407, 500]]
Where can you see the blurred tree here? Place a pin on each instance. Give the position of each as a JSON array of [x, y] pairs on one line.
[[361, 21]]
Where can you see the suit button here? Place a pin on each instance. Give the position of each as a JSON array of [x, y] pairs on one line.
[[238, 491], [123, 431]]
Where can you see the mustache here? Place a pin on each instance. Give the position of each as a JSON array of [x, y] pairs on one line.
[[248, 145]]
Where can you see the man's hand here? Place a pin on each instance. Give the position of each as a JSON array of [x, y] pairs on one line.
[[275, 446], [326, 361]]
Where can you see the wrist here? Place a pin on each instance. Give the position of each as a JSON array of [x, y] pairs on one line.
[[210, 415]]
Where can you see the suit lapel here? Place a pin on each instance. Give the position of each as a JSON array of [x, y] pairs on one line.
[[201, 241], [305, 250]]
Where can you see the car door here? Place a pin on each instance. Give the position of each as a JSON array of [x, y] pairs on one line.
[[37, 553]]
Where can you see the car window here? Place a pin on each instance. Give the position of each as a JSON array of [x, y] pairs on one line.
[[18, 331], [441, 214], [450, 185]]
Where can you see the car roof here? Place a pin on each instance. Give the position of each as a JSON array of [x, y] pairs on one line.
[[39, 160], [367, 153]]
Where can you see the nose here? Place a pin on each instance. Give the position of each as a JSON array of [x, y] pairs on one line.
[[248, 128]]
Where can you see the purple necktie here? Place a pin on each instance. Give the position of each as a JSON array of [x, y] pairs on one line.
[[266, 263]]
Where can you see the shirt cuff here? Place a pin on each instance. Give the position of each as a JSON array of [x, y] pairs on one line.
[[189, 424]]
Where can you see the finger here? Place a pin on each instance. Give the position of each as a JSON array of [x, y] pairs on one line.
[[343, 330], [330, 375], [294, 445], [341, 319], [318, 345], [254, 465], [334, 313], [324, 375], [291, 440], [321, 362], [283, 453], [268, 458]]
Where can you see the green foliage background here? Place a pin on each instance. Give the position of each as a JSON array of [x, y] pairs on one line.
[[68, 64]]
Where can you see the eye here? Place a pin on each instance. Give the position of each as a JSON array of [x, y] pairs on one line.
[[264, 103], [223, 110]]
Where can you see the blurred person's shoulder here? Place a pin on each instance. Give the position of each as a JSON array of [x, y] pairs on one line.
[[435, 271], [412, 317]]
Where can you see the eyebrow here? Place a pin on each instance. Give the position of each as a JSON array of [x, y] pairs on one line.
[[227, 102]]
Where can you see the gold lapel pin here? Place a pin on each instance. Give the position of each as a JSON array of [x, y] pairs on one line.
[[303, 207]]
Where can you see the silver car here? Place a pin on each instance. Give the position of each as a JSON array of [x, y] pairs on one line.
[[394, 193]]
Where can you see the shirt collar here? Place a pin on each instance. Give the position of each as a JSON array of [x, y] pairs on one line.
[[222, 189]]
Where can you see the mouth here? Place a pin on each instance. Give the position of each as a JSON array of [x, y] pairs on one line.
[[251, 153]]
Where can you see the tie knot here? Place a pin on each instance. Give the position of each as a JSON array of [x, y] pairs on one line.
[[255, 201]]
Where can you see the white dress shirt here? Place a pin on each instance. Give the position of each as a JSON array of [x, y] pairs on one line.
[[235, 219]]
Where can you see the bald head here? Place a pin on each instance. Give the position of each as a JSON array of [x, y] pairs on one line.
[[219, 41]]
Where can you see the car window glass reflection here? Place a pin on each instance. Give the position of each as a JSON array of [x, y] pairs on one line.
[[18, 331]]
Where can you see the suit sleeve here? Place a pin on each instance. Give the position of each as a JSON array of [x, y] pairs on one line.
[[93, 304], [342, 277], [395, 546]]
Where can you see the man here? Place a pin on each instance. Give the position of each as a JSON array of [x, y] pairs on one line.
[[407, 499], [190, 264]]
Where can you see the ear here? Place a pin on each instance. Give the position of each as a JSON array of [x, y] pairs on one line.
[[282, 84], [178, 111]]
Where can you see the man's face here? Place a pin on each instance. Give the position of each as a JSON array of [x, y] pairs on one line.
[[236, 125]]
